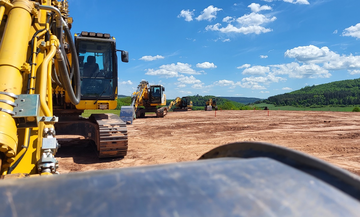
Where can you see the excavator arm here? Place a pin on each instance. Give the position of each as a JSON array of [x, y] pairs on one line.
[[174, 102], [128, 113], [138, 96], [33, 38]]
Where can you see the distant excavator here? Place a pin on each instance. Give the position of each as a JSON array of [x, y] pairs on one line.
[[211, 104], [181, 104], [147, 98]]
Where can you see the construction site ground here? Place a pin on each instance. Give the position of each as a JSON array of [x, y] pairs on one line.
[[185, 136]]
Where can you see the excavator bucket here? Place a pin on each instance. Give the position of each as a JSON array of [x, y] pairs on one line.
[[127, 114], [208, 108]]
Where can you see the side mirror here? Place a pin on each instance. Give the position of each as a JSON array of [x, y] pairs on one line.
[[124, 56]]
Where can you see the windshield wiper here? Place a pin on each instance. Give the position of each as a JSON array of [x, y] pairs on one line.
[[105, 89]]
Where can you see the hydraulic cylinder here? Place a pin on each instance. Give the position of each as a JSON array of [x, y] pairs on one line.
[[13, 51]]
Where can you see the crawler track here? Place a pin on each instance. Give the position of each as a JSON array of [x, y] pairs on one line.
[[113, 139]]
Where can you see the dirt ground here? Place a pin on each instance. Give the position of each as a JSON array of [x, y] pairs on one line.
[[185, 136]]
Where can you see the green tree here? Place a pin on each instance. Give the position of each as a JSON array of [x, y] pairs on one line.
[[356, 109]]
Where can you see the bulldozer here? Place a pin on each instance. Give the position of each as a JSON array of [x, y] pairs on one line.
[[211, 104], [147, 98], [181, 104], [47, 80]]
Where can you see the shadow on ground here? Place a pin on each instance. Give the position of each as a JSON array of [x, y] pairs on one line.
[[82, 152]]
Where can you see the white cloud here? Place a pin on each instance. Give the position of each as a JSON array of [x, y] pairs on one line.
[[185, 92], [292, 1], [311, 54], [151, 58], [206, 65], [294, 70], [330, 60], [184, 80], [187, 14], [353, 31], [354, 72], [232, 29], [254, 82], [286, 88], [343, 62], [243, 66], [128, 82], [270, 78], [335, 31], [265, 91], [256, 70], [263, 56], [226, 40], [188, 80], [172, 70], [181, 85], [252, 85], [224, 83], [254, 19], [208, 13], [228, 19], [198, 86], [256, 7], [246, 24], [304, 2]]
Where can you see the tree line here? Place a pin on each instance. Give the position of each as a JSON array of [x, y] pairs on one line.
[[200, 101], [339, 93]]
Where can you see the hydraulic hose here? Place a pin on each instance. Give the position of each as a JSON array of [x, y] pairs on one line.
[[75, 71], [62, 62], [55, 77], [64, 77], [43, 81]]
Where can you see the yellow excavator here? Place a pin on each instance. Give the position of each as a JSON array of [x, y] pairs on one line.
[[147, 98], [181, 104], [47, 80], [43, 73], [211, 104]]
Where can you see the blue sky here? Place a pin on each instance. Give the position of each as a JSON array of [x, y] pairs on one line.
[[256, 48]]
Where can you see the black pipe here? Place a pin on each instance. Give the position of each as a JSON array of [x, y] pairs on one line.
[[55, 77], [64, 77], [75, 71]]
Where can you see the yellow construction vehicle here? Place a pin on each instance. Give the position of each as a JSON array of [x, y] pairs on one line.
[[42, 73], [211, 104], [147, 98], [181, 104], [45, 84]]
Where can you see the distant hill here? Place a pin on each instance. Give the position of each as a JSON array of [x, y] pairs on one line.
[[243, 100], [121, 96], [341, 93]]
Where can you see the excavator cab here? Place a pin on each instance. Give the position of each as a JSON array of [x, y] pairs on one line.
[[98, 66], [156, 94], [184, 102]]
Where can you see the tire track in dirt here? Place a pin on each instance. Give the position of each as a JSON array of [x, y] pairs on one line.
[[185, 136]]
